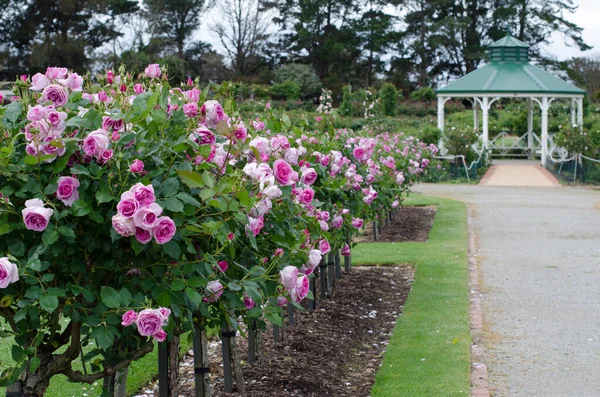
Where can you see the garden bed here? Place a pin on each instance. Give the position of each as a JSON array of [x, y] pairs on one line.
[[411, 223], [334, 351]]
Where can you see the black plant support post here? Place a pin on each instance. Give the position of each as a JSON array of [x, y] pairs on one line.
[[163, 369], [338, 265], [330, 273], [374, 229], [323, 274], [226, 335], [276, 333], [290, 314], [312, 303], [252, 336], [201, 368]]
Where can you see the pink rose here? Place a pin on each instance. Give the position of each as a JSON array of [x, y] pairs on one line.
[[164, 230], [57, 119], [288, 277], [128, 206], [67, 190], [324, 246], [258, 125], [109, 124], [203, 136], [74, 82], [55, 94], [395, 204], [283, 172], [110, 76], [309, 176], [35, 216], [223, 266], [278, 253], [337, 222], [248, 302], [138, 88], [36, 113], [357, 223], [153, 70], [103, 96], [146, 217], [214, 290], [345, 250], [39, 82], [96, 143], [192, 95], [213, 113], [190, 109], [123, 226], [142, 235], [255, 225], [149, 322], [268, 105], [241, 133], [9, 273], [281, 301], [306, 195], [143, 194], [129, 318], [301, 289], [359, 153], [1, 99], [314, 258], [106, 155], [166, 312], [136, 166], [56, 73], [324, 226], [160, 335], [400, 178]]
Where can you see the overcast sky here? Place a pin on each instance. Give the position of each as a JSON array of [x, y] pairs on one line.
[[588, 17]]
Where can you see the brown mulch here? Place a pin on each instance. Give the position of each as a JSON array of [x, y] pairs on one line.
[[411, 223]]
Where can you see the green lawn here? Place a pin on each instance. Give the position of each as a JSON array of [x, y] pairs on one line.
[[429, 352]]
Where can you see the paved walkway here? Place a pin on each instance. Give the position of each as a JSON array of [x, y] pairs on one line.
[[539, 255], [518, 173]]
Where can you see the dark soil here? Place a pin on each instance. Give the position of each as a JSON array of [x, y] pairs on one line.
[[409, 224]]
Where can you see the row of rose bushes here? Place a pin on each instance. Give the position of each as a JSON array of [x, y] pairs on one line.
[[133, 211]]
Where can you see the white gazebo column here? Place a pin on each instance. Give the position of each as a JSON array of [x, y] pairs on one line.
[[573, 114], [475, 115], [441, 102], [485, 107], [530, 129], [544, 107], [580, 113]]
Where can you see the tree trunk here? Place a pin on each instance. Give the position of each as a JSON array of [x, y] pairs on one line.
[[174, 366]]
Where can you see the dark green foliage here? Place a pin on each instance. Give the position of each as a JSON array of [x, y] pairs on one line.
[[389, 99], [286, 90], [425, 94], [303, 75], [431, 135]]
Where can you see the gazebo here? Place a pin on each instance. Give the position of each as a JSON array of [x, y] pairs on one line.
[[508, 74]]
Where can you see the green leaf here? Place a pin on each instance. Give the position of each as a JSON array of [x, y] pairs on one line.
[[170, 187], [209, 179], [49, 303], [172, 249], [103, 196], [15, 247], [244, 198], [81, 208], [4, 228], [50, 189], [110, 297], [234, 287], [79, 169], [173, 204], [194, 296], [34, 364], [17, 351], [13, 111], [274, 318], [205, 194], [191, 179], [186, 198], [66, 231], [31, 160], [125, 296], [178, 285], [49, 237], [48, 277], [104, 338]]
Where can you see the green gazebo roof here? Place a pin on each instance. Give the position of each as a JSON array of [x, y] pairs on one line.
[[509, 72]]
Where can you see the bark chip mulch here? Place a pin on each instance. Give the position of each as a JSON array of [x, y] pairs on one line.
[[411, 223]]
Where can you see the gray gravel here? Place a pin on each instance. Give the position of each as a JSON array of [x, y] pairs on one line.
[[539, 253]]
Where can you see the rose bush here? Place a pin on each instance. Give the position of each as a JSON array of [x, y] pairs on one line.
[[130, 202]]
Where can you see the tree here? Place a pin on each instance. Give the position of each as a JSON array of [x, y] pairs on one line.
[[117, 10], [586, 71], [174, 21], [242, 32]]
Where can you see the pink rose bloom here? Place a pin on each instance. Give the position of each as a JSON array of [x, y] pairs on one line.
[[57, 120], [192, 95], [35, 216], [146, 217], [74, 82], [357, 223], [142, 235], [109, 124], [67, 190], [164, 230], [96, 143], [143, 194], [203, 136], [122, 88], [268, 105], [160, 335], [223, 266], [214, 289], [123, 226], [305, 196], [136, 166], [31, 149], [279, 142], [358, 153], [230, 236], [56, 73], [138, 88], [395, 204], [106, 155], [324, 246], [288, 277], [424, 163], [241, 133], [278, 253], [39, 82], [400, 178], [55, 94], [283, 172], [309, 176], [254, 225], [281, 301], [153, 70], [103, 96], [110, 76], [213, 113], [190, 109], [36, 113], [301, 290], [128, 206], [166, 312], [345, 250], [337, 222], [324, 226], [314, 258], [323, 215], [129, 318], [149, 322], [9, 273], [1, 99], [248, 302], [258, 125]]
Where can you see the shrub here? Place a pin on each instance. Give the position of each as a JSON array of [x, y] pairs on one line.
[[459, 141], [286, 90], [575, 140], [301, 74], [346, 105], [431, 134], [389, 99], [425, 94]]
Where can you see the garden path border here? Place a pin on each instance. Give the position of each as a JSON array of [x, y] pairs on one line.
[[479, 373]]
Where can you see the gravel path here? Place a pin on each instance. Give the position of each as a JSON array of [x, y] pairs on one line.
[[539, 253]]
